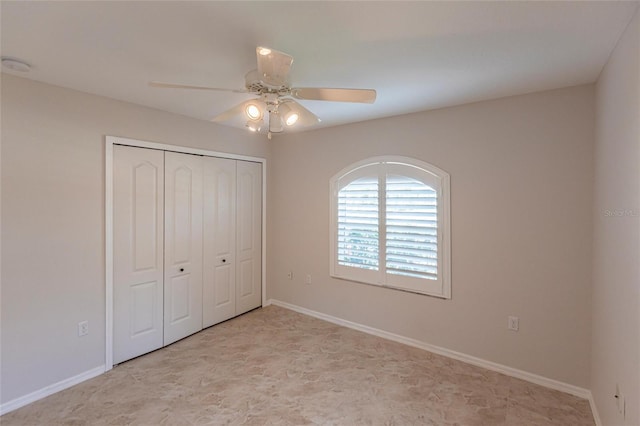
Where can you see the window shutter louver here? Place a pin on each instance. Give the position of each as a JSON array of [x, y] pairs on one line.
[[358, 235], [411, 228]]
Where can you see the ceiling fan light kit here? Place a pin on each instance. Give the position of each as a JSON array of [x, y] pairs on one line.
[[275, 122], [253, 112], [288, 114], [254, 126], [277, 99], [291, 119]]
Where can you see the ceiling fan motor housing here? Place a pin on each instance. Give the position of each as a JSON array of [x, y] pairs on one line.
[[255, 84]]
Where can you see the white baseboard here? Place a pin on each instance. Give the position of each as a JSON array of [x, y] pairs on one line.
[[594, 410], [49, 390], [489, 365]]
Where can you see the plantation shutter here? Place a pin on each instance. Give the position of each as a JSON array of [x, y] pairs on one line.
[[390, 225], [411, 228], [358, 233]]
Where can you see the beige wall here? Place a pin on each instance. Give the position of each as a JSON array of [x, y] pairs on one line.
[[53, 220], [521, 202], [521, 181], [616, 263]]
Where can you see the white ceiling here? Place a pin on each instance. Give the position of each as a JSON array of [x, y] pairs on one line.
[[417, 55]]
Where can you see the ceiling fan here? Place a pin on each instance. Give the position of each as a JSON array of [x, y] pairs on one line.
[[276, 101]]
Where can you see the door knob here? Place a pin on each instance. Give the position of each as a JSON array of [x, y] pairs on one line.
[[181, 269]]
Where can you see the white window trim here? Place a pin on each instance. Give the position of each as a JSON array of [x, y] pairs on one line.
[[439, 288]]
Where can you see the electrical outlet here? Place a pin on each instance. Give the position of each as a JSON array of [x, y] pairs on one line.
[[83, 328], [308, 280], [290, 275], [513, 323]]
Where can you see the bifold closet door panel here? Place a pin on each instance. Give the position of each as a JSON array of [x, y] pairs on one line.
[[138, 226], [249, 236], [219, 286], [183, 246]]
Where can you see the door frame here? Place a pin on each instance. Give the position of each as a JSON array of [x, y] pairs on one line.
[[110, 141]]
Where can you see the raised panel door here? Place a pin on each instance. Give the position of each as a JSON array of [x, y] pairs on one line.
[[249, 236], [219, 294], [183, 246], [138, 219]]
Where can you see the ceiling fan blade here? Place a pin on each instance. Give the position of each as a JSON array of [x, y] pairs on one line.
[[186, 86], [305, 117], [239, 110], [366, 96], [273, 66]]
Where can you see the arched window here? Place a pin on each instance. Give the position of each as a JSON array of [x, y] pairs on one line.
[[390, 225]]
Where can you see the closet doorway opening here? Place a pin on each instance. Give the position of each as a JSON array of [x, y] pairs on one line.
[[185, 242]]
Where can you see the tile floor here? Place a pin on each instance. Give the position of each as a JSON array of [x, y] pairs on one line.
[[273, 366]]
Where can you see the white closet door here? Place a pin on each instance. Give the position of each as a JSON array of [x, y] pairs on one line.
[[219, 292], [249, 236], [183, 246], [138, 219]]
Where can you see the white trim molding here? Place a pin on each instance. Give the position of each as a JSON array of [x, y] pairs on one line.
[[50, 390], [108, 250], [594, 410], [469, 359]]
